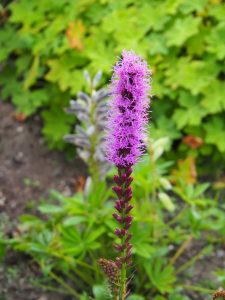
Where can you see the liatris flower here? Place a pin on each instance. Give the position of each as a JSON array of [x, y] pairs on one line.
[[128, 110], [126, 132]]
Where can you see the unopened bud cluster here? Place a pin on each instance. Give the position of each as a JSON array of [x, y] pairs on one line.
[[122, 216], [111, 271]]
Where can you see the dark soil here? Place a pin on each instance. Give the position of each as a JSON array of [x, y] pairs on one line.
[[27, 171], [16, 276], [27, 168]]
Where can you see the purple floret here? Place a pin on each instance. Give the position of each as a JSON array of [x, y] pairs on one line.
[[128, 113]]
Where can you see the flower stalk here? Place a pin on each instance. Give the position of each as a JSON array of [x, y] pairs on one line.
[[127, 120], [124, 219]]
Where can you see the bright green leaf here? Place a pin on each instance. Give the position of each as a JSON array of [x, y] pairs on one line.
[[193, 75], [191, 114], [181, 30], [214, 41], [189, 6], [214, 99], [161, 277], [215, 131]]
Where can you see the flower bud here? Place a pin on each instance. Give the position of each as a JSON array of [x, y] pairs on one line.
[[128, 209], [117, 217], [118, 190], [128, 181], [117, 180]]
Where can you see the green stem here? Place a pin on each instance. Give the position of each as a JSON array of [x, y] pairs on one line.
[[176, 218], [94, 260], [123, 273], [93, 166], [85, 277], [48, 287], [181, 249], [190, 262], [77, 281], [76, 261], [123, 295], [123, 279], [83, 264], [197, 289], [65, 285]]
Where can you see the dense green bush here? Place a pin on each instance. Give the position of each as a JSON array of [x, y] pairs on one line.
[[46, 44]]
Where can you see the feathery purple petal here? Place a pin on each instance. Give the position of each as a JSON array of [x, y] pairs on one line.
[[128, 110]]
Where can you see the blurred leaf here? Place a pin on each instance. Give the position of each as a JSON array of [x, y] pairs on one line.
[[214, 100], [186, 171], [154, 16], [214, 41], [193, 75], [101, 57], [194, 142], [74, 220], [72, 241], [157, 44], [8, 42], [167, 202], [135, 297], [161, 277], [2, 249], [158, 147], [61, 71], [181, 30], [75, 33], [20, 117], [165, 127], [28, 101], [95, 234], [201, 188], [215, 133], [50, 209], [217, 11], [55, 130], [101, 292], [165, 183], [192, 113], [32, 73], [143, 250], [196, 44], [189, 6]]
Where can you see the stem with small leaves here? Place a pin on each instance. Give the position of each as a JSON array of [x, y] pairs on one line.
[[123, 217]]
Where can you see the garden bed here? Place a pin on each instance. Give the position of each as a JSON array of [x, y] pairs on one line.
[[28, 170]]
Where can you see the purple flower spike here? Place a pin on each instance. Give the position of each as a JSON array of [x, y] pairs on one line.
[[128, 110], [125, 134]]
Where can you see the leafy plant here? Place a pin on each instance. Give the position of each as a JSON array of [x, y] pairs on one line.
[[66, 240]]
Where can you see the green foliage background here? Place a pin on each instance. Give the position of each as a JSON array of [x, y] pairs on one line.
[[45, 45]]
